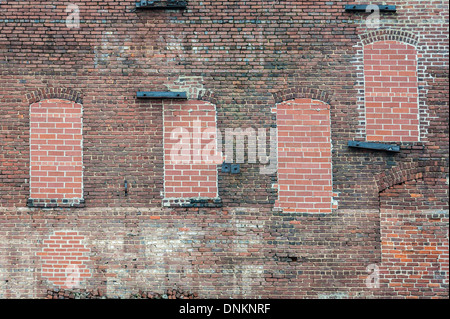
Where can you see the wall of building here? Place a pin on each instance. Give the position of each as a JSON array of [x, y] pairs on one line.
[[381, 229]]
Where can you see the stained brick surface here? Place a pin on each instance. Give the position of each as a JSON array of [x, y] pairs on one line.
[[389, 211], [415, 253]]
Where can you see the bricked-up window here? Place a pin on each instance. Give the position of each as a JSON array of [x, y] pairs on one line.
[[304, 157], [64, 259], [190, 151], [391, 92], [56, 153]]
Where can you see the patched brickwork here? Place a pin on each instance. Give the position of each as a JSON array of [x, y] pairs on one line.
[[415, 259], [304, 156], [56, 152], [241, 252], [381, 226], [99, 294], [391, 92], [64, 259], [191, 151]]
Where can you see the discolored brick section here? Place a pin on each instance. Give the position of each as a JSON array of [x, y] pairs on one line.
[[415, 253]]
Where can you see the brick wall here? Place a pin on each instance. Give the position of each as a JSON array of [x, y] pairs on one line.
[[415, 253], [190, 151], [63, 258], [391, 88], [56, 152], [304, 157], [240, 252], [240, 62]]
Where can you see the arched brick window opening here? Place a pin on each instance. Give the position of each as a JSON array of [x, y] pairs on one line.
[[410, 186], [304, 156], [56, 153], [391, 91]]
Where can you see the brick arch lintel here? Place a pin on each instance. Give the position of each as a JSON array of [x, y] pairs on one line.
[[399, 174], [389, 35], [54, 93], [302, 93], [208, 96]]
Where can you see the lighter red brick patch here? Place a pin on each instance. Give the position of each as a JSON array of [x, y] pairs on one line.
[[304, 157], [391, 92], [56, 150], [64, 259]]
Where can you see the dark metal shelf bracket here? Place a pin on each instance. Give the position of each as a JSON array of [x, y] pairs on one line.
[[363, 8], [161, 5], [374, 146], [161, 95]]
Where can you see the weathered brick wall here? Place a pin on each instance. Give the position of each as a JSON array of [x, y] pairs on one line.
[[415, 253], [244, 59], [216, 253]]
